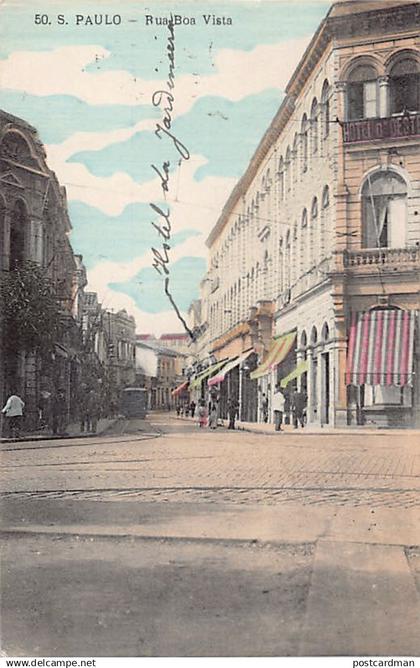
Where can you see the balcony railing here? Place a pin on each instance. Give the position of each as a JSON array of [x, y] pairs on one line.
[[402, 258], [371, 129]]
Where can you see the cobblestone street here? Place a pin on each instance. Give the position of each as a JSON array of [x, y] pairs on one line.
[[206, 509], [236, 467]]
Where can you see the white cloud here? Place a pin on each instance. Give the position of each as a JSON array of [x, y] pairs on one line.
[[62, 71], [193, 204], [107, 272]]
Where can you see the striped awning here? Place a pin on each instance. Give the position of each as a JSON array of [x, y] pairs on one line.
[[195, 384], [219, 377], [301, 368], [279, 349], [381, 348], [180, 388]]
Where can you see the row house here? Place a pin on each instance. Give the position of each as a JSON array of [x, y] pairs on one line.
[[314, 261]]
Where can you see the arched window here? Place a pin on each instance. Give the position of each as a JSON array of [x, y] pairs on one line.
[[295, 159], [304, 245], [325, 101], [303, 340], [314, 125], [288, 170], [281, 179], [287, 260], [17, 235], [305, 131], [268, 180], [314, 336], [323, 232], [314, 232], [384, 211], [405, 85], [362, 97], [280, 267], [325, 332]]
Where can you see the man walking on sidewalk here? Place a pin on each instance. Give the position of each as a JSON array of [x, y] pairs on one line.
[[232, 413], [278, 408], [13, 410]]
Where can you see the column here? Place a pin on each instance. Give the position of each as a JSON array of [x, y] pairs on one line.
[[339, 374], [311, 393], [383, 83]]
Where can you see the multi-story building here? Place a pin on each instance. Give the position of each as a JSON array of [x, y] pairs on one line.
[[157, 371], [313, 275], [34, 226], [120, 330]]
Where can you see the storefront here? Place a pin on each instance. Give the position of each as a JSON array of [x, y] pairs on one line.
[[278, 362], [380, 373], [228, 382]]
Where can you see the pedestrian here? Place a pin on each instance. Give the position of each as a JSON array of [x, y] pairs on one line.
[[298, 409], [202, 415], [212, 414], [13, 410], [44, 408], [264, 408], [278, 408], [192, 408], [232, 412], [93, 411], [59, 410], [83, 409], [287, 406]]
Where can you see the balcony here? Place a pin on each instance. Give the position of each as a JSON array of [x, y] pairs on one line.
[[374, 129], [391, 259]]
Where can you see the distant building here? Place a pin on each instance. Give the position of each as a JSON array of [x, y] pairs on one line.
[[157, 369], [120, 329]]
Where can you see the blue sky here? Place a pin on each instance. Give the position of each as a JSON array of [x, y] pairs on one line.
[[88, 90]]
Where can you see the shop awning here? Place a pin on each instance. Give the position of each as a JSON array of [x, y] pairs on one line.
[[279, 350], [301, 368], [380, 348], [231, 364], [196, 382], [180, 388]]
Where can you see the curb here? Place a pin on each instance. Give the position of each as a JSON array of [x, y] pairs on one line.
[[59, 437], [350, 431]]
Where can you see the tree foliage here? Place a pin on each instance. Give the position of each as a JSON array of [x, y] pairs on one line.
[[30, 309]]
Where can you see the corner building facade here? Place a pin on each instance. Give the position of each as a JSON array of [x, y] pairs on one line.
[[320, 238]]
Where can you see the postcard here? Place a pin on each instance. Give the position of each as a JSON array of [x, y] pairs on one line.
[[209, 328]]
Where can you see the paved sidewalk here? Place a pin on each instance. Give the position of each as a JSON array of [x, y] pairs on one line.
[[268, 428], [72, 431]]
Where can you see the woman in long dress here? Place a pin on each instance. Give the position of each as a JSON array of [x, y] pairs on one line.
[[202, 415], [212, 415]]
